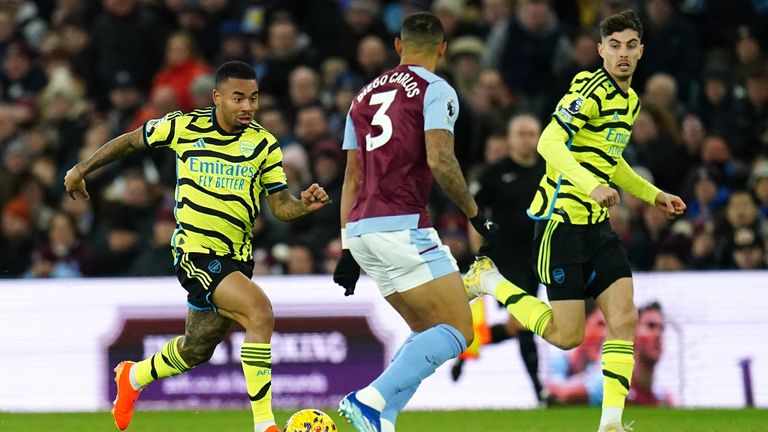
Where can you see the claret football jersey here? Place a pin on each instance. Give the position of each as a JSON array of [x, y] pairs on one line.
[[386, 124]]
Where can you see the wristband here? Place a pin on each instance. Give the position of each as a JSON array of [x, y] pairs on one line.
[[344, 244]]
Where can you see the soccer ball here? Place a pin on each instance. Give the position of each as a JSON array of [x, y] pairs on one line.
[[310, 420]]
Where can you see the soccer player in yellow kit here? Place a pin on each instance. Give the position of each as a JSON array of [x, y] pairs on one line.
[[225, 160], [576, 253]]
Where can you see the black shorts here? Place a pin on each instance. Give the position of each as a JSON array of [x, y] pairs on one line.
[[575, 262], [200, 274]]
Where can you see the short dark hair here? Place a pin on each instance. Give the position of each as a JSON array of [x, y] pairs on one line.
[[652, 306], [234, 69], [422, 30], [620, 22]]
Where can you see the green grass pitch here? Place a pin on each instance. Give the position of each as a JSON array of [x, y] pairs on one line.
[[555, 419]]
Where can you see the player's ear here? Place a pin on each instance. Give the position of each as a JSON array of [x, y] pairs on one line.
[[216, 97], [442, 49], [398, 46], [642, 48], [600, 49]]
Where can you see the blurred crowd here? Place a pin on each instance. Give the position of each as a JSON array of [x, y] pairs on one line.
[[76, 73]]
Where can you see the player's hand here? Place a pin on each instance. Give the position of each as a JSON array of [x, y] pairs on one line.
[[671, 205], [347, 272], [314, 197], [489, 230], [74, 182], [605, 196]]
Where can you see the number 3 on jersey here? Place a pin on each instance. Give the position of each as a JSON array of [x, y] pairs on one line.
[[380, 119]]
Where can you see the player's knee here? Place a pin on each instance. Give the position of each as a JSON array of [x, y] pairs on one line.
[[567, 340], [259, 318]]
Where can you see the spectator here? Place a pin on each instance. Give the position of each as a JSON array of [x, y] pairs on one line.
[[533, 44], [182, 65], [273, 120], [748, 52], [464, 55], [759, 186], [705, 195], [16, 238], [301, 260], [328, 163], [750, 123], [649, 344], [583, 56], [126, 38], [153, 258], [359, 19], [741, 212], [20, 76], [693, 133], [654, 148], [716, 101], [661, 91], [81, 212], [303, 87], [311, 125], [126, 98], [343, 93], [288, 49], [65, 110], [451, 14], [201, 91], [372, 57], [331, 255], [671, 46], [748, 250], [495, 149], [64, 255], [127, 226]]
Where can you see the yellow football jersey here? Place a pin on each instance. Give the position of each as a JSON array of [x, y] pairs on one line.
[[597, 117], [219, 178]]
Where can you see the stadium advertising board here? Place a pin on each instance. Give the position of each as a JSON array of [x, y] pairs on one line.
[[315, 361], [711, 352]]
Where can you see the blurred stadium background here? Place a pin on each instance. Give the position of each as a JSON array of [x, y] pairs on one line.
[[85, 283]]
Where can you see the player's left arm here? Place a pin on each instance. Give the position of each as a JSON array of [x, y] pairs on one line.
[[626, 178], [287, 207]]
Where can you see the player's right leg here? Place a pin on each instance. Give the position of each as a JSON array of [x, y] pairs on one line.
[[484, 278], [204, 330], [419, 277]]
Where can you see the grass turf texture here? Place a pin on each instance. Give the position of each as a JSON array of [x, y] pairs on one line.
[[556, 419]]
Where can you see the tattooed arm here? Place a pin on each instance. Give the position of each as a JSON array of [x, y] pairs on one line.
[[287, 207], [445, 168], [115, 149]]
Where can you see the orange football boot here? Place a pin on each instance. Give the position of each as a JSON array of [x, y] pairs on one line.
[[122, 407]]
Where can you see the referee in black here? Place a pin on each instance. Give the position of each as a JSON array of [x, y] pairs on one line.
[[504, 192]]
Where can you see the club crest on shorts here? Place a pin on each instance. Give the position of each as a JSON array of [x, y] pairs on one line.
[[214, 266], [247, 147], [558, 275]]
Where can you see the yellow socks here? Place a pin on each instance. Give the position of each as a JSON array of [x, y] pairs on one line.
[[165, 363], [531, 312], [618, 361], [257, 367]]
